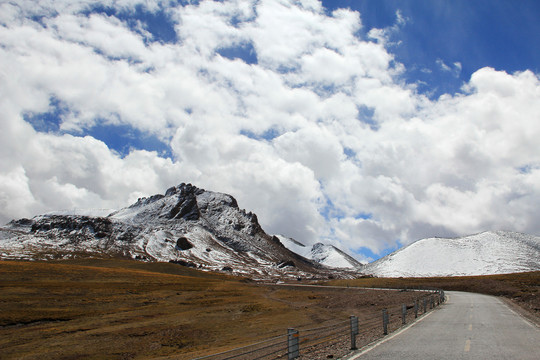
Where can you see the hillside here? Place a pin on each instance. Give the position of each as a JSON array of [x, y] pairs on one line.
[[321, 253], [186, 225], [207, 230], [486, 253]]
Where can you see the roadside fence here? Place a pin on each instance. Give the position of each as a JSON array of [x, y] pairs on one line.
[[340, 337]]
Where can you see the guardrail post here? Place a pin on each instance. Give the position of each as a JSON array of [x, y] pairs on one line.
[[385, 321], [431, 302], [415, 308], [354, 331], [293, 347], [403, 314], [425, 305]]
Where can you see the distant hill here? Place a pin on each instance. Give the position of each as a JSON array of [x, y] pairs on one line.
[[486, 253], [325, 254]]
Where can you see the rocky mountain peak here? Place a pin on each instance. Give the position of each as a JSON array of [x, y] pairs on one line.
[[186, 225], [186, 207], [181, 202], [184, 190]]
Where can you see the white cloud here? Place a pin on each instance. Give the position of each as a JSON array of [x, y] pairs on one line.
[[104, 33], [16, 198], [443, 66], [384, 36], [314, 147], [455, 68], [322, 125]]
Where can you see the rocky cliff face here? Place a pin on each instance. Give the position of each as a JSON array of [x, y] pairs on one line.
[[186, 225]]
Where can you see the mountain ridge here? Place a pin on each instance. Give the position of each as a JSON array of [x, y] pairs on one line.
[[488, 252], [186, 225], [325, 254], [207, 230]]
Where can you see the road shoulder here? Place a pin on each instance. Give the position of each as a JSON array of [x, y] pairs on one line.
[[357, 353], [523, 313]]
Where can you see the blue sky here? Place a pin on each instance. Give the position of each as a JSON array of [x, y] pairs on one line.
[[501, 34], [363, 124], [433, 38]]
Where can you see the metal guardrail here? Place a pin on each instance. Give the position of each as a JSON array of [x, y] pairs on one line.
[[301, 342]]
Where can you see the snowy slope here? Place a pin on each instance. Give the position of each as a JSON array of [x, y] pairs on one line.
[[331, 256], [327, 255], [481, 254], [83, 212], [295, 246], [187, 225]]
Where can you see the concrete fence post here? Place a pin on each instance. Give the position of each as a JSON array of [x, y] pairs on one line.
[[431, 302], [354, 331], [293, 346], [425, 305], [416, 308], [403, 314], [385, 321]]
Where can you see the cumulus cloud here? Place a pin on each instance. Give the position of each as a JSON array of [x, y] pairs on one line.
[[318, 134]]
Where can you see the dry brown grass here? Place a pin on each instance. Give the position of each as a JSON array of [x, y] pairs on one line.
[[117, 309], [522, 289]]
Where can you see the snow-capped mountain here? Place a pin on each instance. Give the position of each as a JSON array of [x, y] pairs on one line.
[[208, 230], [486, 253], [187, 225], [327, 255]]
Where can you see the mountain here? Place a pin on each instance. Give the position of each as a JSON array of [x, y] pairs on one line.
[[207, 230], [327, 255], [186, 225], [486, 253]]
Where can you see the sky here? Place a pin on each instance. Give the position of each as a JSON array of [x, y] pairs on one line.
[[363, 124]]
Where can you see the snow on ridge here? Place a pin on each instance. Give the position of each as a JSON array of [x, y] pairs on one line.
[[485, 253], [324, 254], [186, 225], [333, 257], [295, 246], [81, 212]]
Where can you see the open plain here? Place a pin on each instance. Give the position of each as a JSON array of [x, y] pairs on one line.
[[118, 309], [127, 309]]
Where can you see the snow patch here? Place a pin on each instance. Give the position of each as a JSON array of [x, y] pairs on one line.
[[481, 254], [327, 255]]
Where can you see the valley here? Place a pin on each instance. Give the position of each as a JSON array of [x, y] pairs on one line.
[[189, 273]]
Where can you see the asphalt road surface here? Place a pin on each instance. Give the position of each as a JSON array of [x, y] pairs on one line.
[[468, 326]]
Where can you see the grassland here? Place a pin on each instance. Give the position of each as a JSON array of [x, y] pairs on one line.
[[117, 309], [522, 289]]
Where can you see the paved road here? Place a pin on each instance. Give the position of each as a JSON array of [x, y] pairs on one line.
[[468, 326]]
